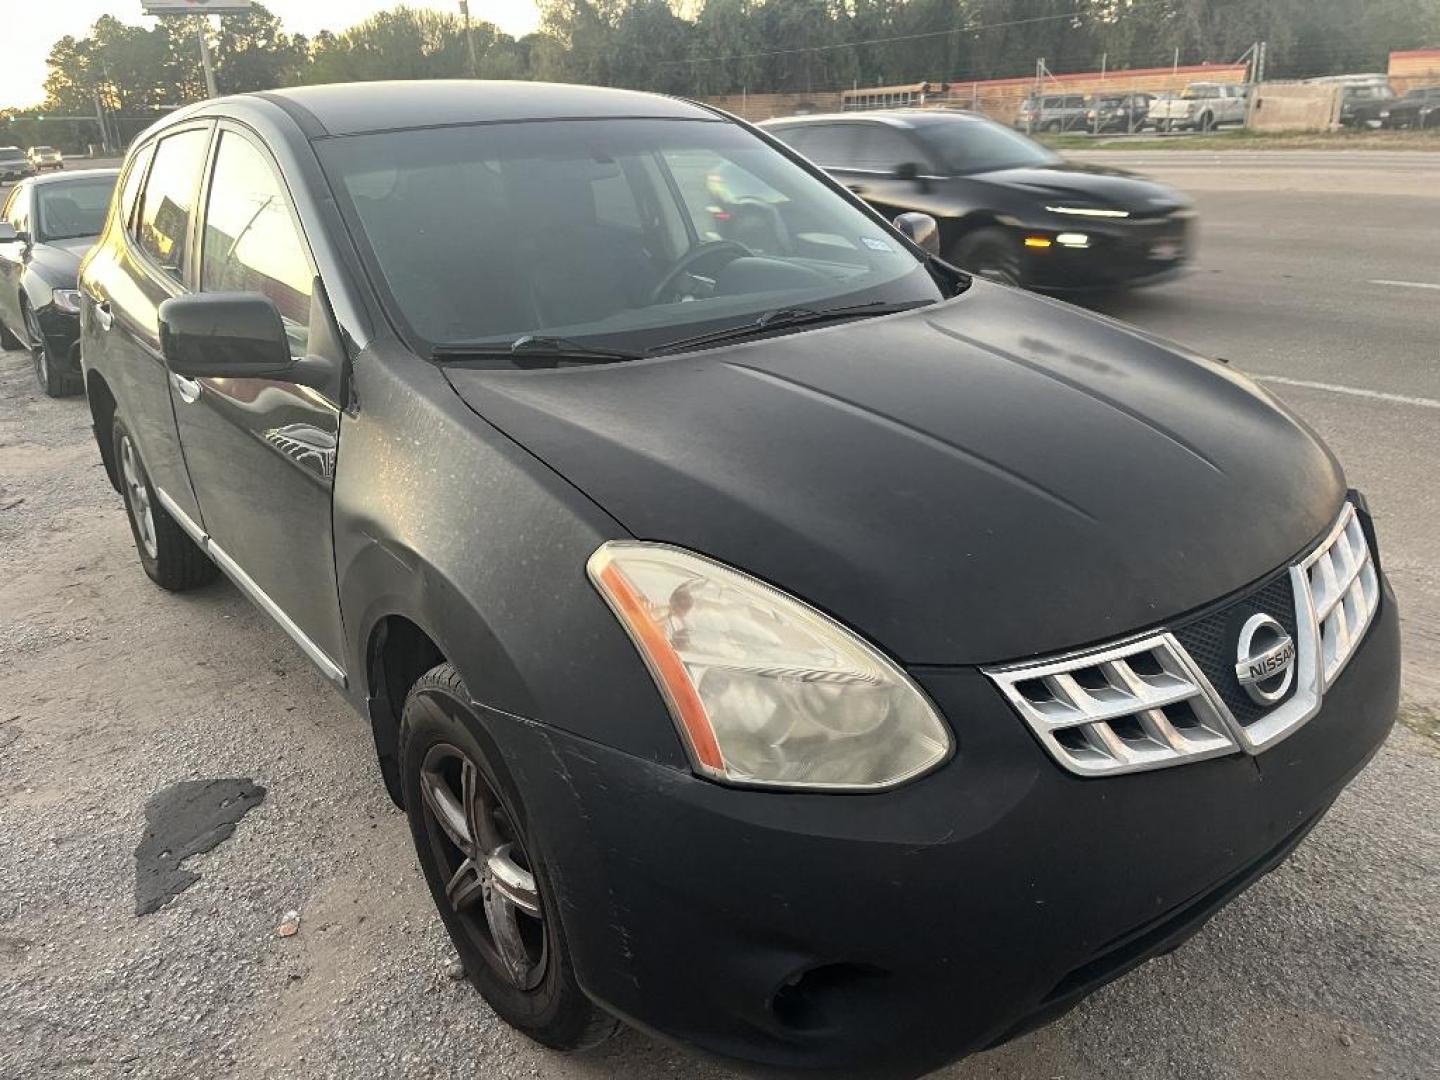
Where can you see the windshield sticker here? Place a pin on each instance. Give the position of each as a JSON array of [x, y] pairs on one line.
[[875, 244]]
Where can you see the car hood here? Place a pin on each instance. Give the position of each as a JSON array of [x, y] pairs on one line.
[[1089, 184], [59, 260], [998, 476]]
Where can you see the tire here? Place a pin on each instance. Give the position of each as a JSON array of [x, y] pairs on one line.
[[171, 559], [1051, 125], [1206, 123], [1162, 125], [51, 379], [523, 970], [990, 253]]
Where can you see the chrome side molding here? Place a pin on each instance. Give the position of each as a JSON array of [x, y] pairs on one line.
[[258, 596]]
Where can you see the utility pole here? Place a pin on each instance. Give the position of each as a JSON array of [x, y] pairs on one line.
[[210, 89], [1175, 67], [100, 120], [469, 38]]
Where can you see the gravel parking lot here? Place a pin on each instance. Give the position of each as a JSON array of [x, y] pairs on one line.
[[1316, 272]]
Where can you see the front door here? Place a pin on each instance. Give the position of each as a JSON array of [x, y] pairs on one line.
[[261, 452]]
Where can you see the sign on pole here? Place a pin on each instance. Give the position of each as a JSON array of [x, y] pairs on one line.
[[196, 7]]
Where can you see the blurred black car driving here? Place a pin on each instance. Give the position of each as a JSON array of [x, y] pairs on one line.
[[1009, 209]]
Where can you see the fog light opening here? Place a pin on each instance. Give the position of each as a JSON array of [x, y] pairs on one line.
[[814, 999]]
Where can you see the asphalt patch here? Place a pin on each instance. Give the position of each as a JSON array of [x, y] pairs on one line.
[[182, 820]]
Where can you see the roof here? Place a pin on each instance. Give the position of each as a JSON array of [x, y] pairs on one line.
[[900, 118], [71, 174], [354, 108]]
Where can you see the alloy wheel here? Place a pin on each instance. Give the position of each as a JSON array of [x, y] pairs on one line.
[[490, 881], [137, 497]]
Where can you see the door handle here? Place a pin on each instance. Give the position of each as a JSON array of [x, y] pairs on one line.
[[103, 315], [188, 389]]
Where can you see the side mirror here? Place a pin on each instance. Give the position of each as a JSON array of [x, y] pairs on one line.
[[907, 170], [220, 335], [8, 235], [921, 229]]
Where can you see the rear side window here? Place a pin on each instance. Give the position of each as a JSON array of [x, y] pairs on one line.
[[170, 198], [250, 241], [882, 148], [130, 193]]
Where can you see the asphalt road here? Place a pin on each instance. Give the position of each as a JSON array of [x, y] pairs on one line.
[[1314, 274]]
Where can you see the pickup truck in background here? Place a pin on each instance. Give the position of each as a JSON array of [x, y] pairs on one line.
[[1201, 106]]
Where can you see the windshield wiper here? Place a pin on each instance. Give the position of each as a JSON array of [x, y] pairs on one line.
[[532, 346], [783, 318]]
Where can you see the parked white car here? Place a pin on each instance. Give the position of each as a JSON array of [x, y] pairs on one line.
[[1202, 106], [45, 157]]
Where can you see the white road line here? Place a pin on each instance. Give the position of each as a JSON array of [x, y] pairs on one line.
[[1352, 391], [1406, 284]]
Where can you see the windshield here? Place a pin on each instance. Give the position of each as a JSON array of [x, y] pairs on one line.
[[1200, 90], [44, 149], [622, 234], [1369, 93], [972, 144], [72, 210]]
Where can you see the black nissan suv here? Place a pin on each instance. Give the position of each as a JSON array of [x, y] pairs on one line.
[[778, 639]]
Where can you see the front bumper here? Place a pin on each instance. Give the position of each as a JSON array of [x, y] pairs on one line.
[[62, 336], [887, 934], [1121, 253]]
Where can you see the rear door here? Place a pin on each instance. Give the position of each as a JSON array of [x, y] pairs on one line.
[[129, 279], [261, 452]]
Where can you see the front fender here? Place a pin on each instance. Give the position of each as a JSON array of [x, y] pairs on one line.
[[440, 518]]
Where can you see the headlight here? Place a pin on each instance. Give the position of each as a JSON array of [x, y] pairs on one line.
[[67, 300], [764, 689]]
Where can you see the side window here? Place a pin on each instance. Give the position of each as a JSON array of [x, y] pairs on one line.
[[17, 209], [828, 144], [882, 148], [130, 192], [250, 242], [170, 198]]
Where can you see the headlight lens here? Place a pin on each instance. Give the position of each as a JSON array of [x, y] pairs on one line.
[[764, 689], [67, 300]]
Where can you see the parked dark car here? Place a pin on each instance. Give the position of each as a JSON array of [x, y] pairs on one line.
[[1420, 108], [1365, 105], [15, 164], [815, 655], [47, 224], [1119, 112], [1009, 209]]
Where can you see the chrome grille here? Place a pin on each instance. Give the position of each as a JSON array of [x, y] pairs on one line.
[[1147, 704], [1138, 705], [1340, 582]]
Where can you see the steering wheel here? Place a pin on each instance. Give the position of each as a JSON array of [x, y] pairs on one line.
[[696, 254]]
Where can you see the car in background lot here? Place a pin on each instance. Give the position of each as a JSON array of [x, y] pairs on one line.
[[1201, 106], [47, 225], [1366, 106], [1119, 112], [1053, 112], [45, 157], [1009, 209], [15, 164], [1419, 108], [821, 656]]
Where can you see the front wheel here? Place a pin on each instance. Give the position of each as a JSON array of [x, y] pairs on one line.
[[990, 253], [485, 872], [1162, 125], [52, 379]]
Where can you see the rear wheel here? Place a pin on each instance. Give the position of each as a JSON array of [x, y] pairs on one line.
[[52, 378], [1162, 125], [171, 559], [1206, 122], [485, 872], [990, 253]]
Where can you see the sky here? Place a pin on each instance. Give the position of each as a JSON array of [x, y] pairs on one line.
[[27, 40]]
